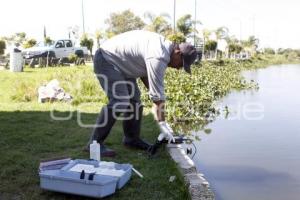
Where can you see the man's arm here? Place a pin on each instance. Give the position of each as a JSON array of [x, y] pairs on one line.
[[145, 81], [158, 110], [156, 71], [155, 81], [158, 106]]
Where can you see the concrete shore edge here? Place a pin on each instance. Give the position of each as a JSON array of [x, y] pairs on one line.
[[198, 186]]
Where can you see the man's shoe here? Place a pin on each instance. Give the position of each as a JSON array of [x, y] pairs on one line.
[[105, 152], [136, 143]]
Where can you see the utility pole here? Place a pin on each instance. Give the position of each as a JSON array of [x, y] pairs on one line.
[[240, 30], [195, 23], [45, 33], [82, 11], [174, 16], [253, 25]]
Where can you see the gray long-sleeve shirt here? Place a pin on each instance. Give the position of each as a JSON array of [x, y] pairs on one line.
[[140, 54]]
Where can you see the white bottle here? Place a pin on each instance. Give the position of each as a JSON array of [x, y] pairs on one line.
[[95, 151]]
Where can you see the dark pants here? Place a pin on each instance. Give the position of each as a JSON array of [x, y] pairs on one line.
[[124, 97]]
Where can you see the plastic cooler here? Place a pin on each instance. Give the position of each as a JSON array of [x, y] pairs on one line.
[[67, 176]]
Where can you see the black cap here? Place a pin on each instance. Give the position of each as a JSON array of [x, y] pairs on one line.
[[189, 55]]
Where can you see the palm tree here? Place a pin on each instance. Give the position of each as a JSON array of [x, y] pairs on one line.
[[206, 33], [234, 46], [159, 24], [250, 45], [222, 32], [185, 25], [253, 42], [98, 36]]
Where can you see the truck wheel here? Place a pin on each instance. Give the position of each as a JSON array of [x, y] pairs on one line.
[[79, 53]]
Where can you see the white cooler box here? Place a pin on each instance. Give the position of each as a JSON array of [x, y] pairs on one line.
[[84, 177]]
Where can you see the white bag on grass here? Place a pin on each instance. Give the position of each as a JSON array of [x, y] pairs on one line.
[[51, 92]]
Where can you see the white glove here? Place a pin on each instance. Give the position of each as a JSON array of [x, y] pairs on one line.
[[166, 132]]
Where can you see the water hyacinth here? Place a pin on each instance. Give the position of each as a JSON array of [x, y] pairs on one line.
[[190, 98]]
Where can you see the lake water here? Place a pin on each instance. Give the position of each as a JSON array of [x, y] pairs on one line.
[[256, 156]]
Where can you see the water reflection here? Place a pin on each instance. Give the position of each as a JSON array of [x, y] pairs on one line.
[[247, 174], [255, 155]]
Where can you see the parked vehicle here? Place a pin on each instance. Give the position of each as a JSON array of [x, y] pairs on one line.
[[58, 49]]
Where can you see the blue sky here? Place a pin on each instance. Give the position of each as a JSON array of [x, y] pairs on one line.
[[274, 22]]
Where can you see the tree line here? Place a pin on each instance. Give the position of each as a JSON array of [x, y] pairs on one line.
[[209, 42]]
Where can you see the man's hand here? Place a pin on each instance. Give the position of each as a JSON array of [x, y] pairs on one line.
[[166, 132]]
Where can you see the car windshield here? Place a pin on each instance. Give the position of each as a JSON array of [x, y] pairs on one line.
[[43, 44]]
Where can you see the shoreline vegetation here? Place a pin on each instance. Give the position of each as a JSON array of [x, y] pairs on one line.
[[193, 106], [190, 99], [29, 134]]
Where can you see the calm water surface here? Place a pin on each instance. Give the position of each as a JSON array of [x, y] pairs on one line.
[[256, 156]]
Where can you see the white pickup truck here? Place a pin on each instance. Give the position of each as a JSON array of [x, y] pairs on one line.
[[58, 49]]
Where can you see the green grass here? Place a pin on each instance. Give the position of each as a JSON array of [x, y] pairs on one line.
[[27, 137], [79, 81]]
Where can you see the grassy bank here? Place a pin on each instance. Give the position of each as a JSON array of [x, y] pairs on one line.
[[29, 134]]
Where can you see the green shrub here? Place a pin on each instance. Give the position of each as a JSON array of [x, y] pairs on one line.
[[29, 43], [269, 51], [210, 45], [2, 47], [177, 37], [87, 42], [234, 48], [24, 91], [48, 40], [72, 57]]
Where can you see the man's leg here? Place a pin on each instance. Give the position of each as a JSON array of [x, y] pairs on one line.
[[104, 123], [132, 120], [108, 76]]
